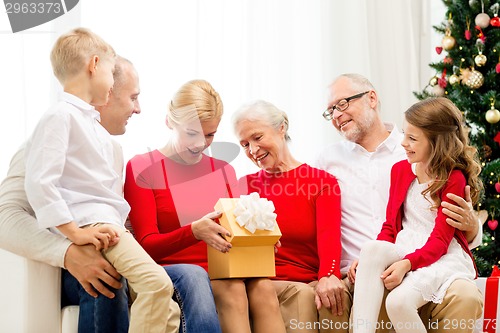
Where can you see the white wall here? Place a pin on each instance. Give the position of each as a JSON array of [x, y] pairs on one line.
[[282, 51]]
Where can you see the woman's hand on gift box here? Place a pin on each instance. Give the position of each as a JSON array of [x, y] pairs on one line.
[[211, 232], [277, 246]]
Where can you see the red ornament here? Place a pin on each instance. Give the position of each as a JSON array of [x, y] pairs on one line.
[[467, 31], [442, 80], [439, 49], [495, 21], [497, 68], [497, 187], [497, 138], [493, 224], [442, 83], [480, 34]]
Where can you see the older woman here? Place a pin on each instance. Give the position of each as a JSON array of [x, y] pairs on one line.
[[307, 202], [172, 192]]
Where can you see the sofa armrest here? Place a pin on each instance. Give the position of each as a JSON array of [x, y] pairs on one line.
[[31, 300]]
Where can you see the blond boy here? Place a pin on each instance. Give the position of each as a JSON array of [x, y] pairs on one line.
[[73, 187]]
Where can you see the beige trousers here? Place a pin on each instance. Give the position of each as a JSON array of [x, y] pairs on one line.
[[299, 309], [153, 310], [461, 307]]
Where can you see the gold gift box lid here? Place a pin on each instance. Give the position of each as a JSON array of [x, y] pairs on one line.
[[239, 235]]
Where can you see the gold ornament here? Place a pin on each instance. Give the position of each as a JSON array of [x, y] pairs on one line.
[[433, 81], [453, 79], [480, 59], [472, 79], [464, 73], [448, 42], [492, 116]]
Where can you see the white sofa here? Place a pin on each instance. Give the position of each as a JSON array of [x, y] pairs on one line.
[[31, 298]]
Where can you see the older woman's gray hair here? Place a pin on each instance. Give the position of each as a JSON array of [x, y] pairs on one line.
[[262, 111]]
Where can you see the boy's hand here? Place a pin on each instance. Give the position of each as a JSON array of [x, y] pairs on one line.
[[101, 237]]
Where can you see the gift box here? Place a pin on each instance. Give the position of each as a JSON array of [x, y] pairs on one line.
[[491, 311], [252, 252]]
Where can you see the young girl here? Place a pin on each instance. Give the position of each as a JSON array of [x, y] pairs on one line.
[[417, 255]]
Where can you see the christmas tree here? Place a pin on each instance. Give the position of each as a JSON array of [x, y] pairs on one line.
[[469, 75]]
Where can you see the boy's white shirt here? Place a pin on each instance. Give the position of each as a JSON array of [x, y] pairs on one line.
[[70, 173]]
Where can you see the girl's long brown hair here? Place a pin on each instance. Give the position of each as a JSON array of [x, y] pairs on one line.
[[441, 122]]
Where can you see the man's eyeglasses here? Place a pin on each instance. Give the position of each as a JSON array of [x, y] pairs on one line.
[[341, 106]]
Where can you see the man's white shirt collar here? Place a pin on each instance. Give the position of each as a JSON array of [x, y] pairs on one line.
[[391, 142]]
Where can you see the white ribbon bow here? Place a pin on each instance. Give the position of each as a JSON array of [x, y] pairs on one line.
[[255, 213]]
